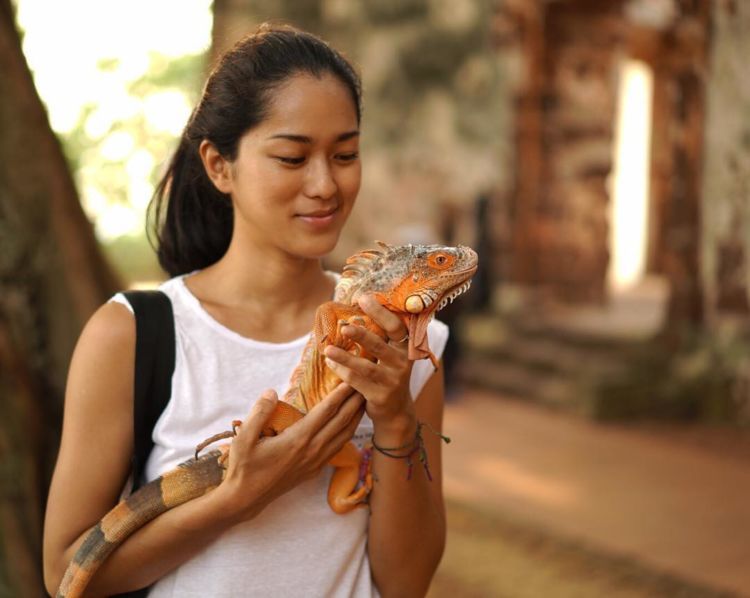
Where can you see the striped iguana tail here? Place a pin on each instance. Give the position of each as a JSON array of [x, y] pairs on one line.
[[189, 480]]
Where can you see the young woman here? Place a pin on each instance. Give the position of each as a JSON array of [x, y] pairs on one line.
[[265, 176]]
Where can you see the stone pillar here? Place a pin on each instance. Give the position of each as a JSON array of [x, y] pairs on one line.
[[565, 115], [726, 181]]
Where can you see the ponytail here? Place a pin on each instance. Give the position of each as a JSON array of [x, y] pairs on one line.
[[189, 218]]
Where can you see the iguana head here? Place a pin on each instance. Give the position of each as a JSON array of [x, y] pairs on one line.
[[413, 281]]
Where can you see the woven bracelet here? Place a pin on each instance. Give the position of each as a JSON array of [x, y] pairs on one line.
[[415, 446]]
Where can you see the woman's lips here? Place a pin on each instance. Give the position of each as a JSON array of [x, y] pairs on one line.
[[319, 219]]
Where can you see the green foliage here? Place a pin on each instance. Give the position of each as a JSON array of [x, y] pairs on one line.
[[699, 382], [75, 142], [134, 259], [181, 73], [108, 64], [104, 180]]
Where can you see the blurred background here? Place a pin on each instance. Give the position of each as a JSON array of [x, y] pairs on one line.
[[597, 155]]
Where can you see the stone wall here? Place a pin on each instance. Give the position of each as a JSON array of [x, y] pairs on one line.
[[726, 188], [565, 107], [569, 54]]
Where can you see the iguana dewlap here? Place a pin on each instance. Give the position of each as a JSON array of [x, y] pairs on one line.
[[412, 281]]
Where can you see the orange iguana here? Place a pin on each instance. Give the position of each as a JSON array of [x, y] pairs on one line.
[[412, 281]]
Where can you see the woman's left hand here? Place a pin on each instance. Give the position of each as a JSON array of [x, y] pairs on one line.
[[384, 383]]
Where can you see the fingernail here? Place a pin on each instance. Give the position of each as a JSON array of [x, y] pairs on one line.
[[330, 363], [268, 397]]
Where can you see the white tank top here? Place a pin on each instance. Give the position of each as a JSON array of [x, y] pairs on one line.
[[297, 546]]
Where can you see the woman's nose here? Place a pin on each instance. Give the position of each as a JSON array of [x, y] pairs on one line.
[[320, 180]]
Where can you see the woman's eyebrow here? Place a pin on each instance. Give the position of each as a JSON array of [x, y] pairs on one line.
[[349, 135], [306, 139]]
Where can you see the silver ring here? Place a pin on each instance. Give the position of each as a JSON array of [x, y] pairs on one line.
[[403, 340]]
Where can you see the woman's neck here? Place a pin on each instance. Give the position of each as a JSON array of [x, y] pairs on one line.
[[266, 277], [261, 293]]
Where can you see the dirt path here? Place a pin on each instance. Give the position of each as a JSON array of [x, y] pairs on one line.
[[656, 498]]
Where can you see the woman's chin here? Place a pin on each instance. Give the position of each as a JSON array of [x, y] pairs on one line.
[[317, 246]]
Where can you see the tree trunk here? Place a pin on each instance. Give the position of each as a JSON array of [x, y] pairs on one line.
[[234, 19], [52, 277]]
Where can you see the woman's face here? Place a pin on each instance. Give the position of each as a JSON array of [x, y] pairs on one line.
[[297, 174]]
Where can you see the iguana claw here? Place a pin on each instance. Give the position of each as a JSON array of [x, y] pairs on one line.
[[220, 436]]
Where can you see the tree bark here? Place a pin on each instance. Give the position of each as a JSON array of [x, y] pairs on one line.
[[234, 19], [52, 277]]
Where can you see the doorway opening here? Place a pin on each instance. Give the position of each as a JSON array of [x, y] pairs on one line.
[[629, 205], [637, 302]]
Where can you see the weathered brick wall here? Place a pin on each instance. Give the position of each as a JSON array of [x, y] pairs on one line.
[[580, 105], [726, 188], [436, 117], [565, 109]]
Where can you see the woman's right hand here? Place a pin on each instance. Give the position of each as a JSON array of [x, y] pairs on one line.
[[260, 470]]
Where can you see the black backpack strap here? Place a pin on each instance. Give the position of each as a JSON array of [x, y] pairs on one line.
[[154, 366]]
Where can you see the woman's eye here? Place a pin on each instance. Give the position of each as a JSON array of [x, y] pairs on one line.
[[350, 157], [292, 161]]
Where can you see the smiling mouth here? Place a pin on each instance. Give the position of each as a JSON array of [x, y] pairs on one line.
[[319, 213]]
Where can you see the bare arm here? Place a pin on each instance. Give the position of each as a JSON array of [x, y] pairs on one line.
[[94, 462], [407, 523]]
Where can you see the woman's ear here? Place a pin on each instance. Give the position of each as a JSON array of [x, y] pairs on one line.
[[218, 169]]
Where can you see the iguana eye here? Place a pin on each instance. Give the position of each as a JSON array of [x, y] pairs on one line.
[[441, 260]]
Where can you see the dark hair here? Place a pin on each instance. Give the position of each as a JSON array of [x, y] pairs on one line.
[[190, 218]]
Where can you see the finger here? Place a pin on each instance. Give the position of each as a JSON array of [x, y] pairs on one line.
[[364, 366], [387, 320], [341, 429], [326, 409], [360, 374], [373, 344], [351, 411], [356, 417], [341, 437], [261, 412]]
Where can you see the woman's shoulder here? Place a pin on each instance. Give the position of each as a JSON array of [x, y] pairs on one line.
[[107, 339], [101, 369], [112, 322]]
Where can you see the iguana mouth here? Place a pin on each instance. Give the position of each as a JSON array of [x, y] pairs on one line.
[[452, 293], [417, 323]]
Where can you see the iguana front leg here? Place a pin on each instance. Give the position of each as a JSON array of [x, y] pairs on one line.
[[313, 380]]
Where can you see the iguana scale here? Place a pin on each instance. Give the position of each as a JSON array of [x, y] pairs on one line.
[[412, 281]]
